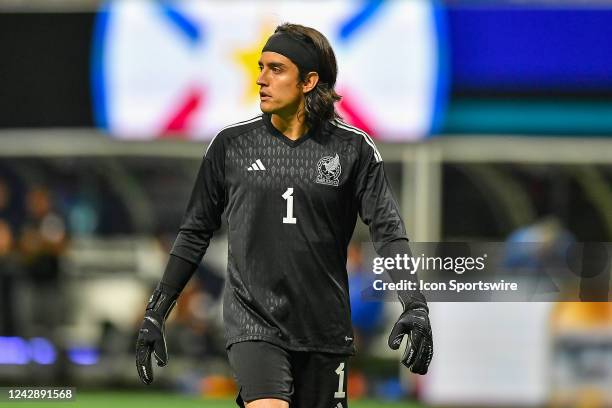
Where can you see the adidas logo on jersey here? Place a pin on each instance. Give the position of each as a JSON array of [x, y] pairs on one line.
[[258, 165]]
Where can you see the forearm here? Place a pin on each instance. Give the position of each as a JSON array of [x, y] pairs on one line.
[[408, 298], [177, 274], [191, 242]]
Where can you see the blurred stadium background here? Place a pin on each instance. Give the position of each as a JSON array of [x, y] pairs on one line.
[[494, 119]]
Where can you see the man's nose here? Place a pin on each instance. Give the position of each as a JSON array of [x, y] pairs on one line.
[[261, 78]]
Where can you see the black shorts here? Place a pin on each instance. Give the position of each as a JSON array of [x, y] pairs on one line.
[[304, 379]]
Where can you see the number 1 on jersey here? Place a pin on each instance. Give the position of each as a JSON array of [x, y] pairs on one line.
[[340, 371], [287, 195]]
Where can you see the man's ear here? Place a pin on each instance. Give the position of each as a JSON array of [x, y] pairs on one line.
[[311, 80]]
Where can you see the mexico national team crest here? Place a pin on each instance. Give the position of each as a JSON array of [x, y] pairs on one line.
[[328, 170]]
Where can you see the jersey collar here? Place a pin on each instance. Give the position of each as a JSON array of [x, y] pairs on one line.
[[267, 118]]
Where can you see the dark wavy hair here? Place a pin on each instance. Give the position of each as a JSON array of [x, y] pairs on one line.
[[319, 103]]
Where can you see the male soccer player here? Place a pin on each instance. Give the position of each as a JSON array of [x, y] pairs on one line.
[[291, 183]]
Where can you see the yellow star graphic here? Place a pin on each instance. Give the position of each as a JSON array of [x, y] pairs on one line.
[[247, 58]]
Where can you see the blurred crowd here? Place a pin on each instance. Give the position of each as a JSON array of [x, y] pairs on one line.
[[32, 239]]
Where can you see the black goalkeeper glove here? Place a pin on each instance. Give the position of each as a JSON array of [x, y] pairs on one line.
[[151, 338], [414, 322]]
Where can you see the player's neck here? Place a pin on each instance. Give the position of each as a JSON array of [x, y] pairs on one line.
[[293, 126]]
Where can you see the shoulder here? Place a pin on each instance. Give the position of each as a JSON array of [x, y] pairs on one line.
[[355, 135], [239, 128], [234, 130]]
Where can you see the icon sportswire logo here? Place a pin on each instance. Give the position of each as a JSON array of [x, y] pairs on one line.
[[258, 165]]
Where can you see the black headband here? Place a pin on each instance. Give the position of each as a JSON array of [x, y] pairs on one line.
[[302, 53]]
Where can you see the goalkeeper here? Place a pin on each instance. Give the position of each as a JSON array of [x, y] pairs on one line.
[[291, 183]]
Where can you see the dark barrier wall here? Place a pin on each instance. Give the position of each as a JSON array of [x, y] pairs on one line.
[[44, 69]]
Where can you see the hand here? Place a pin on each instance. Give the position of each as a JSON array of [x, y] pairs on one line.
[[151, 337], [419, 351]]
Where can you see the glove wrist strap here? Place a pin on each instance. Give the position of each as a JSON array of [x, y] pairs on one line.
[[413, 300], [162, 301]]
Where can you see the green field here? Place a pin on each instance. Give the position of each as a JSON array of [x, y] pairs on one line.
[[167, 400]]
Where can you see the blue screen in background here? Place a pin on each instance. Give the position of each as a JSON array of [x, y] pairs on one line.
[[510, 48]]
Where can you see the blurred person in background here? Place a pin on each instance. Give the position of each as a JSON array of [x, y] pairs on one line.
[[8, 275], [197, 323], [5, 202], [366, 312], [11, 209], [291, 182], [8, 262], [534, 248], [366, 317], [42, 242]]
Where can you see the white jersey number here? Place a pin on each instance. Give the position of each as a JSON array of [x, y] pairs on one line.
[[288, 196], [340, 371]]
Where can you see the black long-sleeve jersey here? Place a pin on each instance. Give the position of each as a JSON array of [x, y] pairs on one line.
[[291, 208]]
